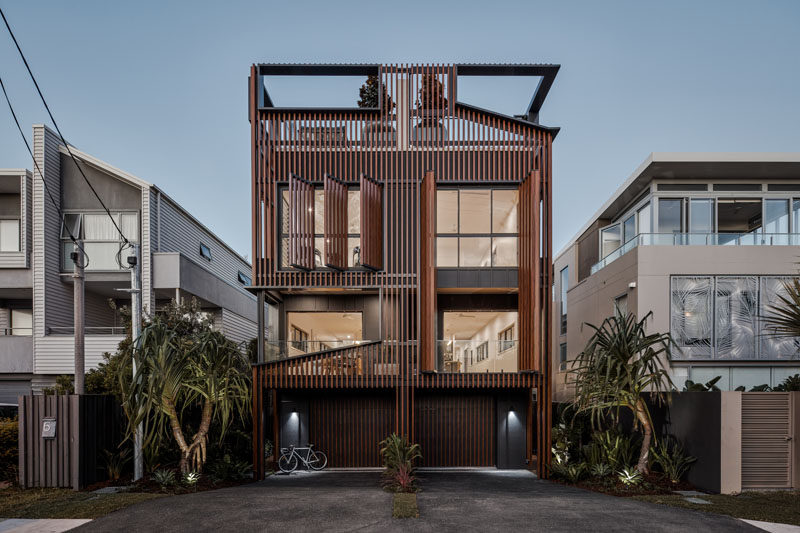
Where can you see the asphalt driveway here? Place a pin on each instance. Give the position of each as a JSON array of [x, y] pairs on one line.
[[449, 501]]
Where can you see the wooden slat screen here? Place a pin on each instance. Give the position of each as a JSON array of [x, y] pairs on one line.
[[529, 274], [766, 444], [335, 222], [301, 223], [371, 222], [427, 273]]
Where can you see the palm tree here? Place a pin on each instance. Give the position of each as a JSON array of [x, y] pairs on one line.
[[783, 319], [619, 364], [182, 370]]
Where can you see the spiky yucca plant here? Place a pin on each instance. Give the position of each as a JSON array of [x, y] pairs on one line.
[[619, 364]]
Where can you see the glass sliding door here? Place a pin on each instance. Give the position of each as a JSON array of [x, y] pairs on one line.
[[670, 218], [609, 240], [701, 220], [776, 221]]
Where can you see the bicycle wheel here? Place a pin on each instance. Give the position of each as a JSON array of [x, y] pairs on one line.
[[287, 463], [318, 461]]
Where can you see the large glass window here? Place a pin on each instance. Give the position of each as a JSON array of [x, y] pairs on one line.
[[720, 317], [9, 235], [315, 332], [701, 220], [628, 229], [476, 228], [643, 216], [738, 215], [478, 341], [610, 240], [776, 216], [670, 215], [101, 239]]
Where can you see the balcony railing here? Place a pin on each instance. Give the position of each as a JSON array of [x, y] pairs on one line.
[[337, 358], [470, 356], [699, 239], [92, 330]]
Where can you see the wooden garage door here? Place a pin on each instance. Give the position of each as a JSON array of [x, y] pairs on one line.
[[766, 440], [349, 426], [455, 429]]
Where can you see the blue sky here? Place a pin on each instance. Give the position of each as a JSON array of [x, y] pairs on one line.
[[159, 88]]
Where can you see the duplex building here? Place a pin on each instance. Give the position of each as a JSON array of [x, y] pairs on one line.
[[704, 241], [405, 245], [180, 259]]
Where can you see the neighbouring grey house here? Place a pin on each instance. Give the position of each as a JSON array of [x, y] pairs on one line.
[[181, 259], [704, 241]]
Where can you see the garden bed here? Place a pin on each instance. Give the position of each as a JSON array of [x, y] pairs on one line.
[[65, 503], [150, 486], [651, 484]]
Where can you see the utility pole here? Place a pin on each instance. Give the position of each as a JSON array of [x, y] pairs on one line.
[[136, 330], [78, 315]]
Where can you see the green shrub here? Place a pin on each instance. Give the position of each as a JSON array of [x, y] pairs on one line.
[[601, 470], [790, 384], [709, 386], [571, 473], [164, 478], [116, 462], [593, 454], [228, 469], [669, 455], [619, 451], [9, 449], [629, 476], [190, 479]]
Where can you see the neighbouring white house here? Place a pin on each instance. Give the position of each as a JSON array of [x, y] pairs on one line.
[[181, 259]]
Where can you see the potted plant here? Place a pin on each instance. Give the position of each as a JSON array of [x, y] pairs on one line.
[[431, 104], [370, 95]]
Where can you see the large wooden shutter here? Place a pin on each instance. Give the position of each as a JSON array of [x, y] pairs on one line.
[[530, 274], [301, 223], [767, 428], [371, 223], [335, 223], [427, 273]]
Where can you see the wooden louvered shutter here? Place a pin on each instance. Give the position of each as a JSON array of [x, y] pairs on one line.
[[335, 223], [371, 223], [427, 274], [530, 291], [301, 223]]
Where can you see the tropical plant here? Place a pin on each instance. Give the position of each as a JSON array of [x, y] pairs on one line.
[[116, 462], [791, 383], [569, 472], [398, 456], [629, 476], [620, 363], [561, 443], [164, 478], [709, 386], [184, 368], [670, 456], [370, 93], [228, 469], [190, 479], [615, 448], [593, 454], [601, 470], [783, 317]]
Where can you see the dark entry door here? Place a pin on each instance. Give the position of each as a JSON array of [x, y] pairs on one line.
[[511, 421]]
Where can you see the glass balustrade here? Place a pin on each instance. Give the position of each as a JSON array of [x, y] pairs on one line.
[[699, 239], [474, 356]]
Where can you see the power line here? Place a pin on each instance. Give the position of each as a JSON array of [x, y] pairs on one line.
[[63, 140], [41, 175]]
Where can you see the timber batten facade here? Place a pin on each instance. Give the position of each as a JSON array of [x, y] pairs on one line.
[[395, 157]]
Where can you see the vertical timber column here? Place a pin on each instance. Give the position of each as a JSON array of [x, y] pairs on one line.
[[258, 423]]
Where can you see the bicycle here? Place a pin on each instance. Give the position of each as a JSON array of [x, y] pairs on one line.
[[290, 459]]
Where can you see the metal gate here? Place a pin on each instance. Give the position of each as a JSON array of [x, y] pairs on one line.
[[767, 447]]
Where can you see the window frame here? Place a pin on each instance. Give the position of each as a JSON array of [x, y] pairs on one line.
[[491, 235], [562, 357], [244, 279], [202, 251], [482, 352], [78, 234], [505, 339]]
